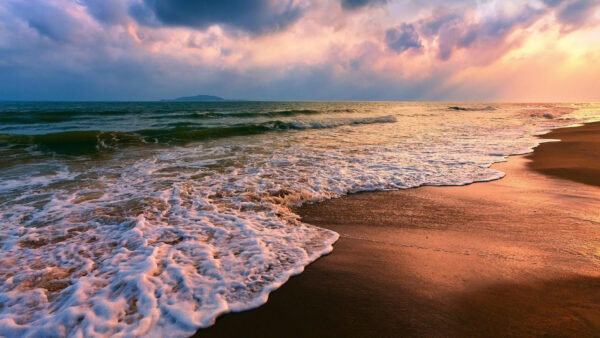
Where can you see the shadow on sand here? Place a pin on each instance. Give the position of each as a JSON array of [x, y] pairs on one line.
[[347, 304]]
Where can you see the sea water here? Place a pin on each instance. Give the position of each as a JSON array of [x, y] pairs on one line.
[[152, 219]]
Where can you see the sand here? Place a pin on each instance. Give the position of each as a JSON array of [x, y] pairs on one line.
[[579, 151], [515, 257]]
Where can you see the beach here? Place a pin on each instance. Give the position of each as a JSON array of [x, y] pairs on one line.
[[517, 256], [164, 218], [296, 168]]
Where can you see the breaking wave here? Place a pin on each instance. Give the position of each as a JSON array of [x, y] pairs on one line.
[[93, 141]]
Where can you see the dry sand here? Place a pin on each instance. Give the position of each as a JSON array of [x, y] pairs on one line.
[[515, 257]]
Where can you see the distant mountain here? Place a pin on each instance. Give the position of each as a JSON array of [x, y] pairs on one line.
[[198, 98]]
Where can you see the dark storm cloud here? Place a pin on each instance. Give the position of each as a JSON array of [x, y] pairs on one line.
[[353, 4], [48, 21], [403, 38], [108, 11], [255, 16]]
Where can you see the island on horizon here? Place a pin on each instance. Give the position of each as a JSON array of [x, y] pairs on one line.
[[196, 98]]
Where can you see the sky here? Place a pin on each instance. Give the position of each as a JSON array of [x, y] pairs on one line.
[[417, 50]]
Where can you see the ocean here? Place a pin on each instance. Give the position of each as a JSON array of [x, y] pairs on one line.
[[154, 218]]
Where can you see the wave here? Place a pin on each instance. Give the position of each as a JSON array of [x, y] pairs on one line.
[[280, 113], [41, 117], [72, 142], [35, 118], [94, 141], [65, 116], [244, 114]]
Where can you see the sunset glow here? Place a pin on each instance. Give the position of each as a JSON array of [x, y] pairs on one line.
[[348, 50]]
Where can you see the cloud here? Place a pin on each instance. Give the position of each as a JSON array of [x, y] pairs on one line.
[[440, 19], [574, 14], [107, 11], [48, 20], [354, 4], [256, 16], [403, 38], [577, 14], [552, 3], [463, 29], [330, 49]]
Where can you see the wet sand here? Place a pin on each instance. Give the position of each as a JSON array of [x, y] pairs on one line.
[[579, 152], [515, 257]]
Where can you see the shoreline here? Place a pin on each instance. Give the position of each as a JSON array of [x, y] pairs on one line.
[[450, 260]]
